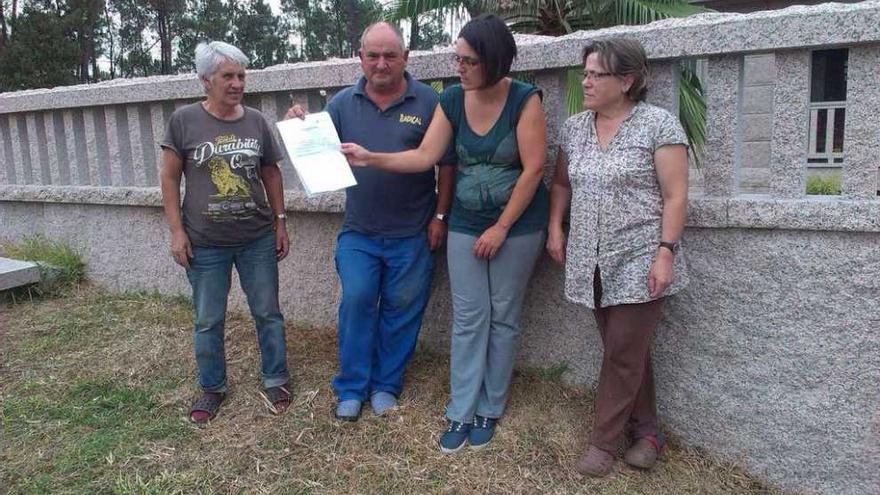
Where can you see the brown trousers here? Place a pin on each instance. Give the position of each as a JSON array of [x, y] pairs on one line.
[[626, 383]]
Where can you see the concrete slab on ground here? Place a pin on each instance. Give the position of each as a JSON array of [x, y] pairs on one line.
[[15, 273]]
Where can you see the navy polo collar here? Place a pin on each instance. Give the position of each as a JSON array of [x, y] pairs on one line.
[[361, 87]]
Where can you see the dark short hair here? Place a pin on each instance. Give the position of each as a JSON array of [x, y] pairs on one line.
[[490, 37], [622, 57]]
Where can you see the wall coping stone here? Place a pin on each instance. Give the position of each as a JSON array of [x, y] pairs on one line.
[[294, 200], [707, 34], [816, 213]]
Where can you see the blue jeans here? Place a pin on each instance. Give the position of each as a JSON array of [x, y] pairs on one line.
[[386, 283], [210, 275]]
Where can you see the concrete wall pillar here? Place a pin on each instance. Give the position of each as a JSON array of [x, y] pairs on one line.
[[723, 139], [861, 161], [7, 165], [663, 85], [791, 119]]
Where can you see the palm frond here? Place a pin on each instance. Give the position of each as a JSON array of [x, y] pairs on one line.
[[601, 13], [692, 109], [405, 9], [527, 77], [646, 11], [574, 93]]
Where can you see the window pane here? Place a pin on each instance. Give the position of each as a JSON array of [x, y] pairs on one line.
[[839, 117], [828, 82], [821, 125]]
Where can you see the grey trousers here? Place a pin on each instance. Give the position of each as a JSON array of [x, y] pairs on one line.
[[487, 300]]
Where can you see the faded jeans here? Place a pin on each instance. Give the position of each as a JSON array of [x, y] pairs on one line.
[[210, 275]]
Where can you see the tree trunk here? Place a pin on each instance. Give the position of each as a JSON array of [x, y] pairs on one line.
[[110, 39], [11, 30], [96, 73], [340, 34], [3, 33], [354, 21], [414, 32], [87, 44], [95, 9], [84, 60], [164, 41]]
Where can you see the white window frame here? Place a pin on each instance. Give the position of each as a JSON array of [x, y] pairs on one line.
[[829, 155]]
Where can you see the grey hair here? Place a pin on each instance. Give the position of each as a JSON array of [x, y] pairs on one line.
[[211, 54], [394, 28]]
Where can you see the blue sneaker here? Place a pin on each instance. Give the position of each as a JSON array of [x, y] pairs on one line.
[[455, 436], [482, 432], [382, 401], [348, 410]]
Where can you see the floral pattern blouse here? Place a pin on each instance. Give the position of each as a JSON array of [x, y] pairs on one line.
[[616, 206]]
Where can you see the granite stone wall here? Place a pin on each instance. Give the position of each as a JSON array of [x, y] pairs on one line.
[[770, 357]]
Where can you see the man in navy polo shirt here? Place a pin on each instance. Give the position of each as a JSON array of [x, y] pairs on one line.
[[392, 223]]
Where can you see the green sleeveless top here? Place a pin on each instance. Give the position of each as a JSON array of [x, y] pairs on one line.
[[489, 166]]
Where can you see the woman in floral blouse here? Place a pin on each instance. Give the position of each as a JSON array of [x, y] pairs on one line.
[[622, 167]]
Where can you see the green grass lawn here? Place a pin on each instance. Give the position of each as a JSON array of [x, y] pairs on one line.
[[95, 388]]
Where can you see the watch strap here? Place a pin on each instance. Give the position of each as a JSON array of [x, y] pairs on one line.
[[671, 246]]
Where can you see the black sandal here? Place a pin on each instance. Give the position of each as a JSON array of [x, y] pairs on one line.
[[208, 403], [277, 399]]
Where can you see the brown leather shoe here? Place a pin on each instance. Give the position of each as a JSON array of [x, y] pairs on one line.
[[595, 462], [643, 452]]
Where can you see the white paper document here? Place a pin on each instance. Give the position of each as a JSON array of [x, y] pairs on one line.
[[313, 147]]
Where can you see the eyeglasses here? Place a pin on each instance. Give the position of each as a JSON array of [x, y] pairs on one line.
[[591, 75], [464, 61]]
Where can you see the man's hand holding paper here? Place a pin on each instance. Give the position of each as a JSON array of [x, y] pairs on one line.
[[313, 147]]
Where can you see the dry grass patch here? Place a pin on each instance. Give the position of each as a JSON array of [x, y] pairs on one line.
[[95, 390]]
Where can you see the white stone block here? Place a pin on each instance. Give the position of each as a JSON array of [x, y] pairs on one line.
[[15, 273], [51, 149], [135, 142], [757, 127], [35, 150], [758, 99], [96, 178], [760, 69]]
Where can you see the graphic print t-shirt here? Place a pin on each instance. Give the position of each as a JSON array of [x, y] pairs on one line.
[[225, 202]]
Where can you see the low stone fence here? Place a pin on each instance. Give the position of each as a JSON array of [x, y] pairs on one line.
[[770, 358]]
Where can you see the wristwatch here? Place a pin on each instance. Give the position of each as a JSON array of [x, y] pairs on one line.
[[443, 217], [281, 216], [672, 246]]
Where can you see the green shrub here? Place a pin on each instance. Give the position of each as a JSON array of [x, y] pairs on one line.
[[60, 266], [823, 185]]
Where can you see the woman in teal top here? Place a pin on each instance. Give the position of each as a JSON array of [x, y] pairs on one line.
[[498, 219], [489, 166]]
